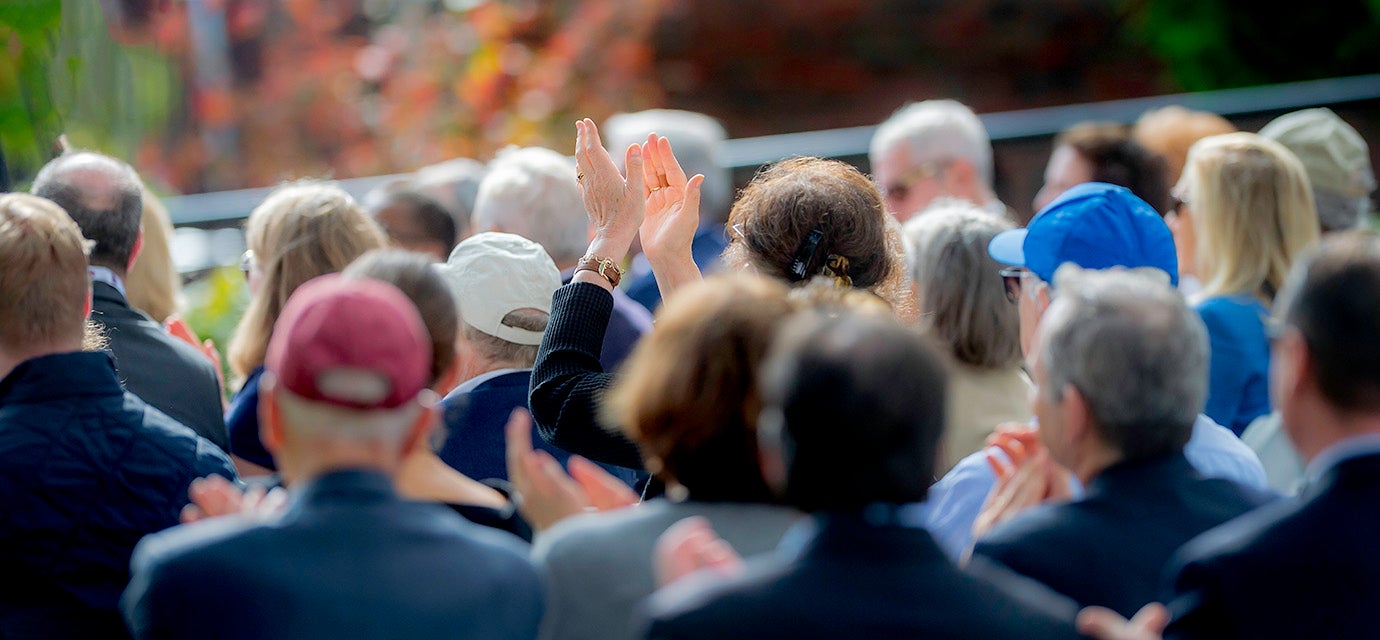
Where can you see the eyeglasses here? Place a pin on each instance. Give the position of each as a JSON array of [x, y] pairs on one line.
[[1011, 277], [1177, 204], [247, 263], [900, 188]]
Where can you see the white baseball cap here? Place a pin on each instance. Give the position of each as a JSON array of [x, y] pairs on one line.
[[494, 274]]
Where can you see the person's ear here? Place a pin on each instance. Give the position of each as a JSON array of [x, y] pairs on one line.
[[138, 248], [270, 414], [419, 432], [1077, 418], [86, 309], [450, 378]]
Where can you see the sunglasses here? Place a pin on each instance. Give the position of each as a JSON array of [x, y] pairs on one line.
[[1011, 277], [247, 263]]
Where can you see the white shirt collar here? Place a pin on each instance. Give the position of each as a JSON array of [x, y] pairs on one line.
[[104, 274]]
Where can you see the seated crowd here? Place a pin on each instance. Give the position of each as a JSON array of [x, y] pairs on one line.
[[869, 406]]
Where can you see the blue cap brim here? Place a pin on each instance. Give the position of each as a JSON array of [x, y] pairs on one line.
[[1008, 247]]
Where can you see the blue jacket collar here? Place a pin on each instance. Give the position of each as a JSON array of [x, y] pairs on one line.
[[61, 376], [1145, 474], [350, 485]]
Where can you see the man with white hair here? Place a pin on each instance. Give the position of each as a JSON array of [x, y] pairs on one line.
[[532, 192], [500, 330], [344, 402], [699, 141], [930, 149]]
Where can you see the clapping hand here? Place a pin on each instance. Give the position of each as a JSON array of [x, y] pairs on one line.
[[1029, 477], [690, 545], [1105, 624], [672, 215], [544, 493], [214, 496], [615, 204]]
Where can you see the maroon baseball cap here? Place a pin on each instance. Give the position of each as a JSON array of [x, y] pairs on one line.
[[355, 343]]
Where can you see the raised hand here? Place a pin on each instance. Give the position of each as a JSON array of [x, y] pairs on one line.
[[673, 203], [615, 204], [672, 216]]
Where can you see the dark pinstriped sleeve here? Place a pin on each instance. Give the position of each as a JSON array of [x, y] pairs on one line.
[[568, 382]]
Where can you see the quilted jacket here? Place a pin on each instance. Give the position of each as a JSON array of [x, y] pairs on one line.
[[86, 470]]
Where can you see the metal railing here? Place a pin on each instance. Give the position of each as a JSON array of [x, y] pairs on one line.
[[226, 208]]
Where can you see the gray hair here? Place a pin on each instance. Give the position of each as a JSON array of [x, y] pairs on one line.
[[1136, 352], [698, 141], [962, 300], [103, 195], [455, 183], [531, 192], [935, 130]]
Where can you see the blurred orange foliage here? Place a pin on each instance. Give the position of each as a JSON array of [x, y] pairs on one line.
[[345, 88]]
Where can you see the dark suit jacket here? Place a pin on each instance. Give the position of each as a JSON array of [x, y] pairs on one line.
[[1305, 568], [162, 370], [854, 580], [475, 422], [349, 559], [1111, 547]]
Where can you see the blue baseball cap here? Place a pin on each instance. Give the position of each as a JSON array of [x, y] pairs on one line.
[[1095, 226]]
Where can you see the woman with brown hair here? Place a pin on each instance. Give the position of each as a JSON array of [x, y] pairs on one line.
[[799, 220], [301, 231], [687, 397]]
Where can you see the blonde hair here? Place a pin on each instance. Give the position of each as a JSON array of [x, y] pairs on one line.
[[43, 280], [153, 285], [302, 230], [1252, 211]]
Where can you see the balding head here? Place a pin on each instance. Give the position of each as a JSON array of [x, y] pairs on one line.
[[104, 196]]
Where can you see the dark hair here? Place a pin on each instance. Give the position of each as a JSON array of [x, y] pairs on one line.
[[1333, 298], [430, 216], [856, 404], [105, 198], [413, 274], [1118, 159]]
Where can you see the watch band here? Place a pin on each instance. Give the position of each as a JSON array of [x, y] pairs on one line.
[[603, 266]]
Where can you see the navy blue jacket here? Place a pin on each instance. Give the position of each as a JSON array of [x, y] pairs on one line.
[[1110, 548], [162, 370], [856, 580], [706, 247], [1305, 568], [242, 422], [348, 559], [86, 470], [475, 421]]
